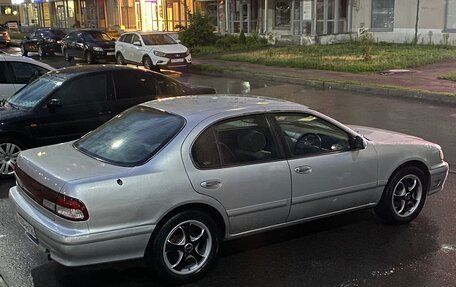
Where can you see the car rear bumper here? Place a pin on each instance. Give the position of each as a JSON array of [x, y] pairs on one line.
[[437, 177], [77, 247], [52, 47]]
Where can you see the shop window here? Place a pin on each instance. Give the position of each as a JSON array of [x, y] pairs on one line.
[[451, 16], [382, 15], [282, 13]]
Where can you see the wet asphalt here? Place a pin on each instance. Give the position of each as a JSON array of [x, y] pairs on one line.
[[354, 249]]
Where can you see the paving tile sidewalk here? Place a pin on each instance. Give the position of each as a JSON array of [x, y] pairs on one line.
[[421, 82]]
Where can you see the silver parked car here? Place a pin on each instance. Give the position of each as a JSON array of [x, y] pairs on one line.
[[170, 179]]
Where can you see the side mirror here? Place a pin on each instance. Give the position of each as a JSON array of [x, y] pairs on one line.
[[53, 104], [359, 143], [26, 37], [137, 43]]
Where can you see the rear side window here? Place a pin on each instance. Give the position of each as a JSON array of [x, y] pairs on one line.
[[4, 73], [132, 137], [88, 89], [205, 152], [135, 84]]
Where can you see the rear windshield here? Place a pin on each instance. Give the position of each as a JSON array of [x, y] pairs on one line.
[[132, 137], [158, 39], [32, 94]]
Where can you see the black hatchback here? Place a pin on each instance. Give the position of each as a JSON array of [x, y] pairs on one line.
[[45, 41], [65, 104], [90, 45]]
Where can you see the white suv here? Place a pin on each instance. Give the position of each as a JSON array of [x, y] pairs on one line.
[[18, 71], [154, 50]]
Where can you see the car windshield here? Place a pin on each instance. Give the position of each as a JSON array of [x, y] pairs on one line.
[[131, 137], [52, 33], [96, 36], [32, 94], [158, 39]]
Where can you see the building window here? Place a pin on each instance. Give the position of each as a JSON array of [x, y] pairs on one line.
[[282, 13], [331, 17], [451, 16], [382, 15]]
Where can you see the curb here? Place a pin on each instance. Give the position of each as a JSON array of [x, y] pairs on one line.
[[332, 84]]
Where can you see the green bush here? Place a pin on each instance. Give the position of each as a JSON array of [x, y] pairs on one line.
[[242, 39], [255, 39], [227, 41], [199, 33]]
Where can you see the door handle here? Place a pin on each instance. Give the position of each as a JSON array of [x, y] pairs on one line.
[[305, 169], [211, 184]]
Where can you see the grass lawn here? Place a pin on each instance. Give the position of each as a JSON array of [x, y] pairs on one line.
[[346, 57], [214, 50], [450, 76]]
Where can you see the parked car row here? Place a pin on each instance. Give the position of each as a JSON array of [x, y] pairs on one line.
[[153, 50]]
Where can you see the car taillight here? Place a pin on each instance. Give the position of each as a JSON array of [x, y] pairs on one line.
[[67, 207]]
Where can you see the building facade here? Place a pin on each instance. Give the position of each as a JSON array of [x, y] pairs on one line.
[[297, 21]]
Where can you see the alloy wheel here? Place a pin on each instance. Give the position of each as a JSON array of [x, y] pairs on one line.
[[8, 156], [148, 63], [187, 247], [407, 195], [40, 51]]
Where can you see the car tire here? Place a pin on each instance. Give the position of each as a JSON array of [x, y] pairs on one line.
[[9, 151], [89, 58], [120, 60], [184, 248], [149, 65], [403, 197], [7, 45], [67, 56], [41, 52], [23, 50]]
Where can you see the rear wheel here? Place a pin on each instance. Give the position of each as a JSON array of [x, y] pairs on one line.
[[23, 50], [9, 151], [120, 60], [41, 52], [404, 196], [184, 248]]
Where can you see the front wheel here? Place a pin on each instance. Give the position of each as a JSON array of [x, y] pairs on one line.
[[149, 65], [41, 52], [23, 50], [184, 248], [9, 151], [89, 58], [404, 196], [68, 58], [120, 60]]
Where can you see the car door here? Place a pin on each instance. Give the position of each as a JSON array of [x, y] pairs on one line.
[[126, 47], [237, 162], [79, 45], [7, 87], [133, 87], [136, 50], [328, 174], [80, 105]]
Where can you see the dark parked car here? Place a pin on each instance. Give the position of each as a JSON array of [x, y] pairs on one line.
[[45, 41], [65, 104], [90, 45], [5, 37]]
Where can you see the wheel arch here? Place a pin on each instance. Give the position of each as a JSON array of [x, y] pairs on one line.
[[25, 140], [413, 163], [205, 207]]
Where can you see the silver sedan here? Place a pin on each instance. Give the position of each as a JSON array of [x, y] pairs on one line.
[[170, 179]]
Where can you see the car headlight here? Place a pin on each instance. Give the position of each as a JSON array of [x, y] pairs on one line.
[[159, 54], [187, 52], [50, 40], [98, 49], [441, 154]]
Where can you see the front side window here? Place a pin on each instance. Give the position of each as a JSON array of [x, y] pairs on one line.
[[132, 137], [135, 39], [24, 72], [282, 10], [134, 85], [127, 38], [307, 135], [95, 36], [382, 15], [89, 89], [245, 140], [32, 94], [451, 15]]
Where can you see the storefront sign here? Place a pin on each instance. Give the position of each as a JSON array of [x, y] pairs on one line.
[[12, 26], [307, 10]]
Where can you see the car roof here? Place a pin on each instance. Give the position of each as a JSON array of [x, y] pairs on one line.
[[148, 33], [16, 58], [74, 71], [208, 105]]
